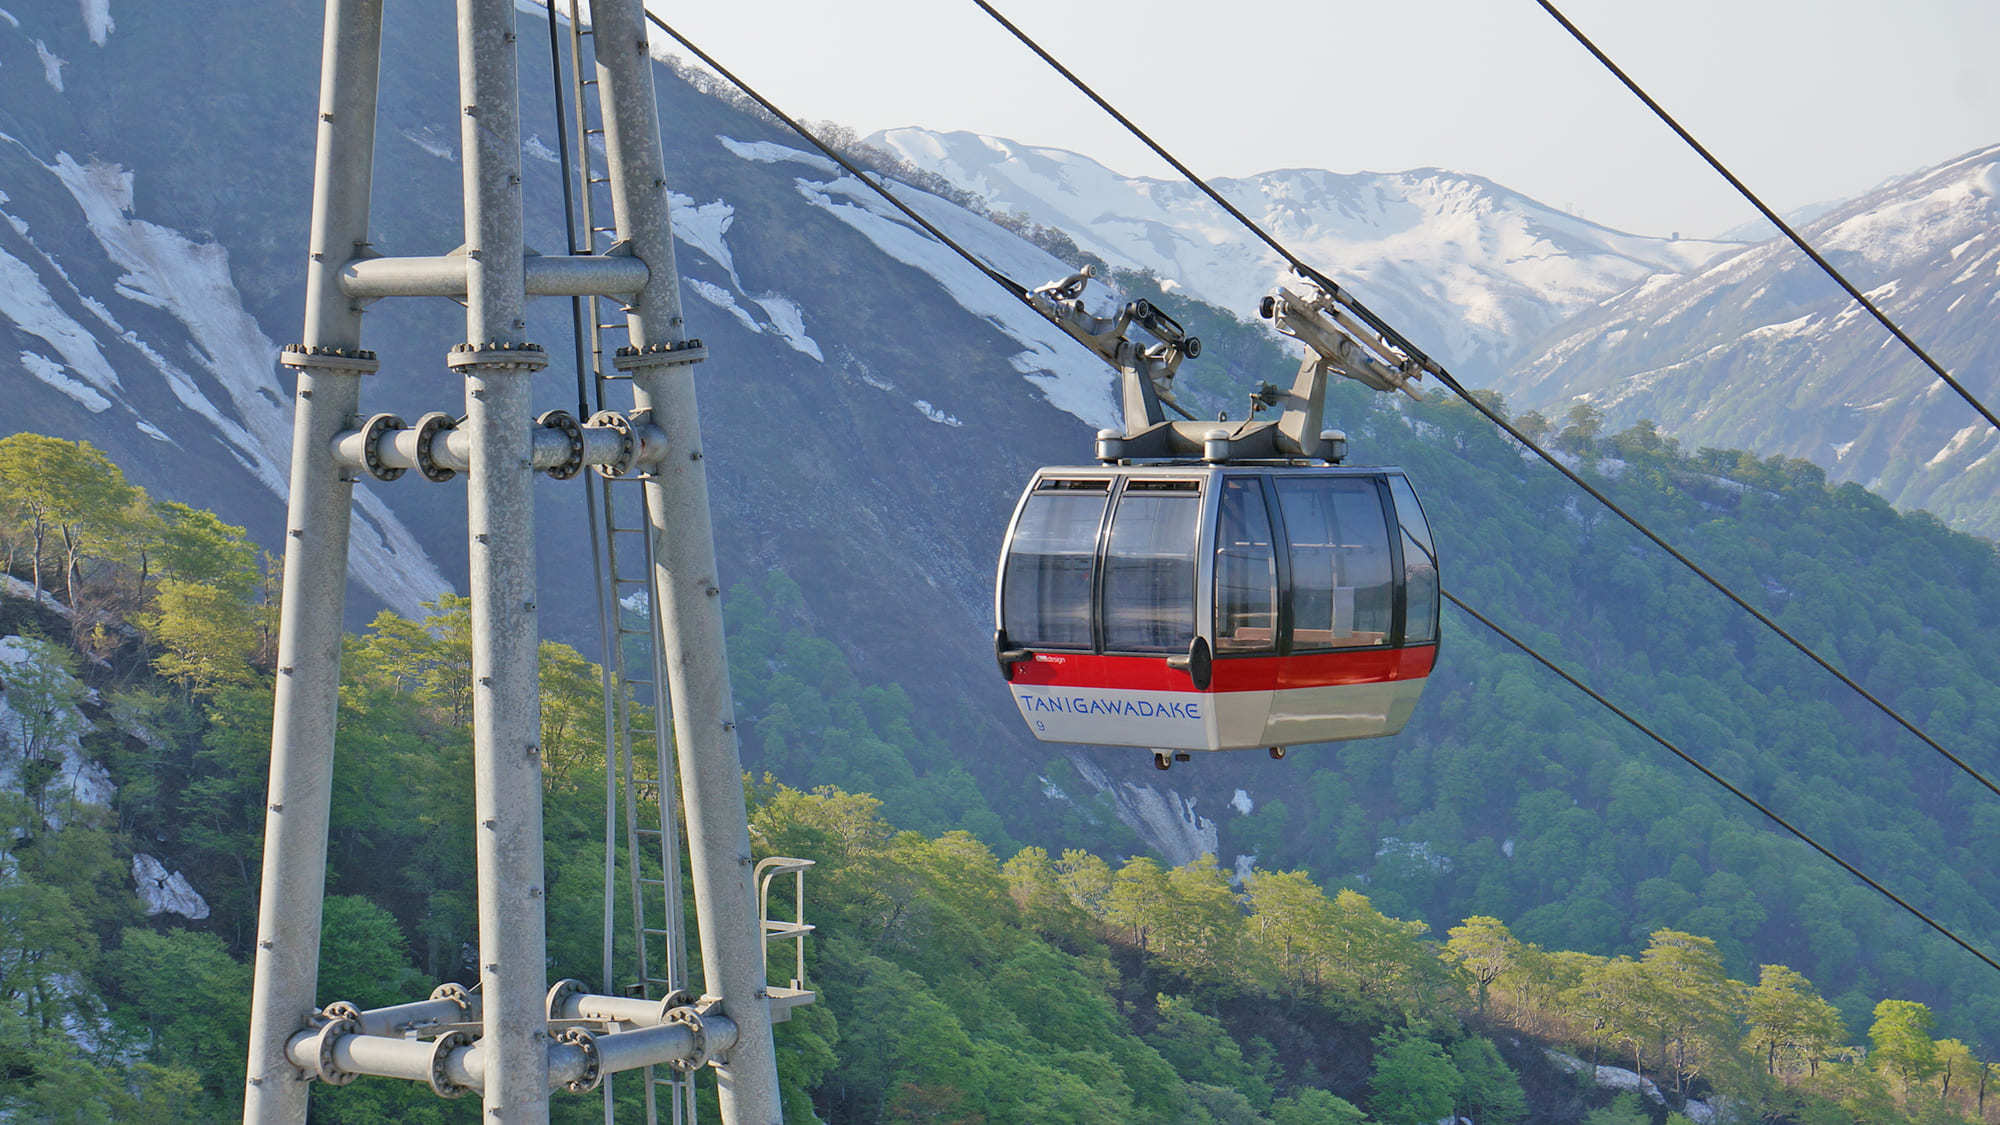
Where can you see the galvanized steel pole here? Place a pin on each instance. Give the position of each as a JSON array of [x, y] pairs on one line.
[[685, 584], [506, 710], [317, 519]]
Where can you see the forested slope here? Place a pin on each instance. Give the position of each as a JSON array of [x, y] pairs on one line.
[[1512, 795], [1061, 984]]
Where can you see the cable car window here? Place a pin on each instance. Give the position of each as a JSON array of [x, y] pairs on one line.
[[1149, 565], [1246, 570], [1342, 589], [1045, 598], [1420, 569]]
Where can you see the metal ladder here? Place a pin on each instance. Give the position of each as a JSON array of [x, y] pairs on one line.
[[637, 660]]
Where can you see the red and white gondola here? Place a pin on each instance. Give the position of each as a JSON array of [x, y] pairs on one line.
[[1190, 606]]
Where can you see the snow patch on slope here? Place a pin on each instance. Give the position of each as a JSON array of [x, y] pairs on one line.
[[426, 138], [1069, 379], [57, 376], [768, 152], [705, 227], [789, 322], [97, 20], [52, 65], [191, 281], [29, 304], [934, 414]]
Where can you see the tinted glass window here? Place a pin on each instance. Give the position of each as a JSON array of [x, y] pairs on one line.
[[1246, 571], [1420, 569], [1342, 588], [1149, 590], [1045, 596]]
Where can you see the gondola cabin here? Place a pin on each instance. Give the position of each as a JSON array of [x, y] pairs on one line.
[[1192, 606]]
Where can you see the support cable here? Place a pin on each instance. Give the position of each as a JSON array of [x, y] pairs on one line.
[[1451, 383], [1710, 774], [1743, 190], [930, 228], [1481, 618]]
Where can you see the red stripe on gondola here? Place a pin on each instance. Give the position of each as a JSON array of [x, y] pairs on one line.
[[1237, 673]]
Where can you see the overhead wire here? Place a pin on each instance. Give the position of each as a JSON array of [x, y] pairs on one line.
[[1710, 774], [1844, 865], [1770, 215], [834, 155], [1451, 383]]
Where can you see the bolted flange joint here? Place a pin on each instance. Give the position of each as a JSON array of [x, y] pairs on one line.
[[497, 354], [559, 994], [361, 361], [697, 1056], [566, 424], [672, 353], [330, 1033], [431, 429], [441, 1050], [628, 446], [373, 431], [593, 1071], [452, 990]]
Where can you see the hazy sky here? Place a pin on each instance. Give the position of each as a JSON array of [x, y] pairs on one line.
[[1807, 100]]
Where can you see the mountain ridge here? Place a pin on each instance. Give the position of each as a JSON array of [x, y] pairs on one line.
[[1762, 351], [1460, 261]]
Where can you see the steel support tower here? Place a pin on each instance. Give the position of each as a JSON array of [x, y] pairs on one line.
[[513, 1037]]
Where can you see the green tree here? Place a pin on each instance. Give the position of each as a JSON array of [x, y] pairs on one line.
[[1485, 950], [1488, 1091], [74, 490], [1413, 1082], [1288, 917], [1790, 1026], [207, 634], [1200, 929], [44, 939], [1903, 1047], [43, 695], [363, 955], [1036, 887], [191, 998], [1139, 899], [1202, 1050], [1087, 880], [1688, 1001], [194, 545], [1314, 1107], [572, 699], [1623, 1110]]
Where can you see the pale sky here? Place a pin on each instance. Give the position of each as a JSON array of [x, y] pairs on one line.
[[1807, 100]]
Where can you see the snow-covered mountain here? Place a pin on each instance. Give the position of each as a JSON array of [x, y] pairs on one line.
[[1467, 268], [149, 270], [1762, 351]]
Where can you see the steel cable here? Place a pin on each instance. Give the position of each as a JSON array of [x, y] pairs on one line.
[[931, 229], [1744, 190], [1454, 599], [1451, 383], [1710, 774]]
